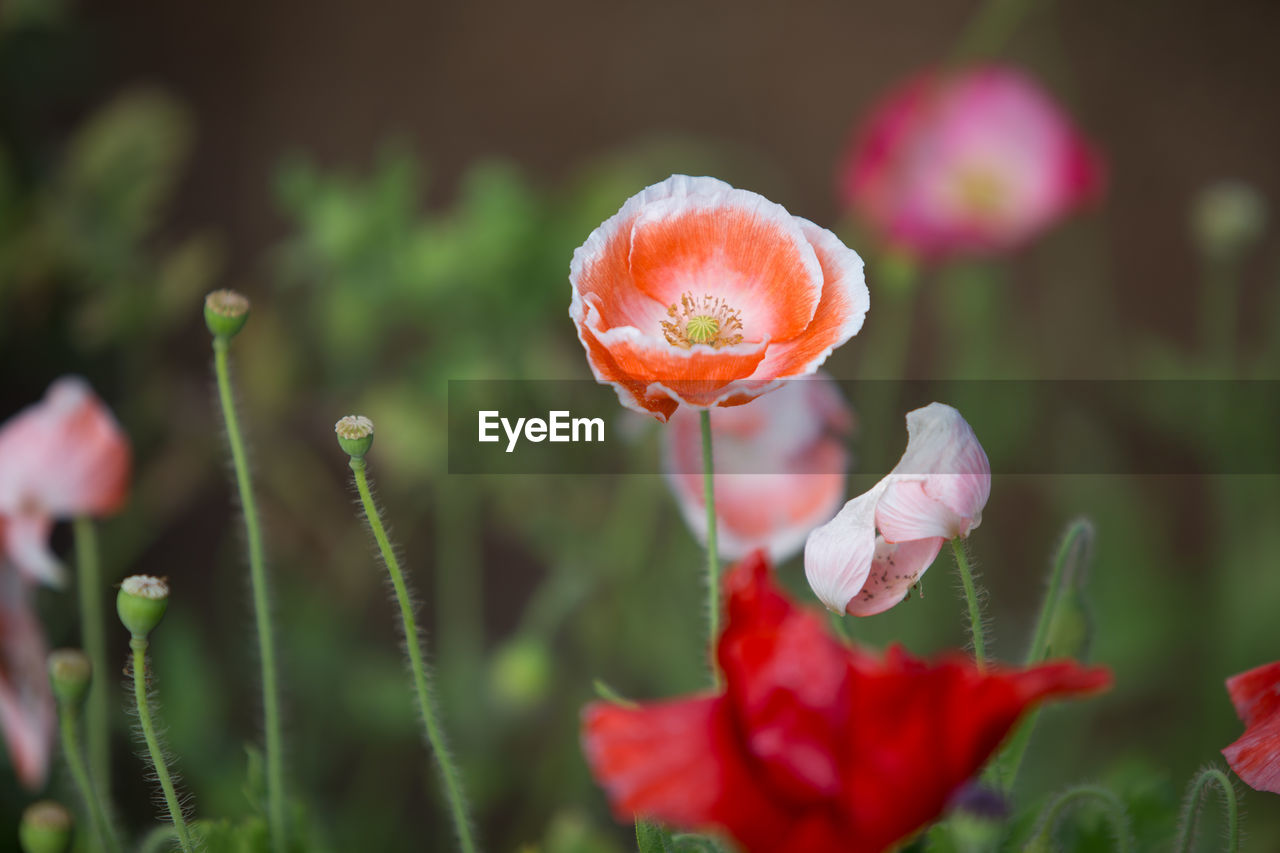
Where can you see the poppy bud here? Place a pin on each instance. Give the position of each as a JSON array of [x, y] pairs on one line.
[[1228, 217], [45, 828], [225, 313], [355, 435], [141, 603], [521, 674], [69, 672]]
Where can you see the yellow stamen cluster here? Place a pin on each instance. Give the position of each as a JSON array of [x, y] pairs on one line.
[[708, 320], [982, 192]]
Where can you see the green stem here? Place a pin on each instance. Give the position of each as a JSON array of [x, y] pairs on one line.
[[986, 33], [413, 642], [139, 646], [80, 774], [1191, 809], [1220, 310], [93, 636], [261, 607], [1049, 818], [1075, 543], [713, 554], [971, 596]]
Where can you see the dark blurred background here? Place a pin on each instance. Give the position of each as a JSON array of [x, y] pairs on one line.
[[399, 187]]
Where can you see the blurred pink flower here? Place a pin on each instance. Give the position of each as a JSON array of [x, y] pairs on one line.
[[26, 700], [971, 162], [781, 467], [936, 492], [60, 458], [1255, 756]]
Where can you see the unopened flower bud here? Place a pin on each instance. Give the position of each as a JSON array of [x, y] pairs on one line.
[[141, 603], [521, 674], [225, 313], [45, 828], [355, 435], [69, 672], [1228, 217]]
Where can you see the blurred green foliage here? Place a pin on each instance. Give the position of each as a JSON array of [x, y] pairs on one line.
[[533, 587]]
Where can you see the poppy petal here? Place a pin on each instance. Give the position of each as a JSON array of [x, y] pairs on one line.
[[26, 701], [680, 763], [838, 555], [25, 541], [894, 570], [1255, 756], [838, 317]]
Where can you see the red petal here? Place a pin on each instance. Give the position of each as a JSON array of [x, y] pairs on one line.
[[1255, 757], [921, 730], [680, 763]]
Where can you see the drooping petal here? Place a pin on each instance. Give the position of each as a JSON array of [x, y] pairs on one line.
[[680, 763], [1255, 756], [942, 482], [838, 555], [26, 701], [64, 456], [780, 466], [894, 570], [24, 540]]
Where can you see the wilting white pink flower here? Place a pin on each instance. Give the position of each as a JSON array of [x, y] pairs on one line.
[[60, 458], [26, 700], [977, 160], [936, 492], [781, 467], [700, 294]]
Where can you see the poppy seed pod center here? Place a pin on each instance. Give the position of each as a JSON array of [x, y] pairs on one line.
[[709, 320]]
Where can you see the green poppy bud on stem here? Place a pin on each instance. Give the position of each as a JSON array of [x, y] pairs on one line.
[[69, 672], [141, 603], [1228, 217], [45, 828], [225, 313], [355, 435]]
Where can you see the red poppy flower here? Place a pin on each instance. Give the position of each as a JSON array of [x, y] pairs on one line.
[[1256, 755], [26, 701], [698, 293], [812, 747]]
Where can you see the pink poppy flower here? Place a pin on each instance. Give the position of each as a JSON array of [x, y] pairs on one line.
[[781, 467], [698, 293], [976, 161], [60, 458], [26, 700], [936, 492], [1255, 757]]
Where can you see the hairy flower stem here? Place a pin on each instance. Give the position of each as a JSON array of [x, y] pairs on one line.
[[413, 643], [139, 646], [713, 553], [258, 576], [1067, 561], [93, 637], [971, 596], [1041, 840], [68, 718], [1207, 777]]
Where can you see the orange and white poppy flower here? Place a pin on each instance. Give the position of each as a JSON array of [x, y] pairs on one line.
[[702, 294]]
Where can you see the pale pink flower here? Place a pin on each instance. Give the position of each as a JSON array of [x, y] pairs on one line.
[[936, 492], [26, 700], [967, 162], [781, 467], [60, 458], [700, 294]]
